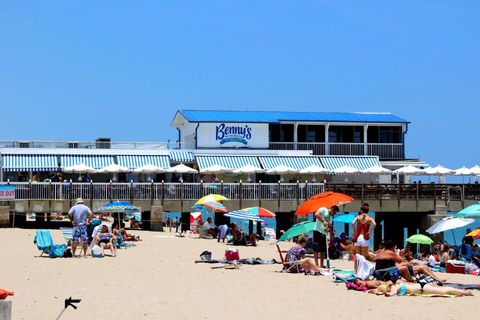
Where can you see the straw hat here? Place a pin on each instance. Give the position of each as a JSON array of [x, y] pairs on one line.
[[79, 200]]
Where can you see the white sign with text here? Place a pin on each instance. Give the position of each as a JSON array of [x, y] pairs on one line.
[[231, 135]]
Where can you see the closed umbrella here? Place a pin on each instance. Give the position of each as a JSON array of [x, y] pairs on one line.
[[420, 238]]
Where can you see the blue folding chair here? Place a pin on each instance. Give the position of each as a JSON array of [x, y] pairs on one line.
[[44, 241], [68, 235]]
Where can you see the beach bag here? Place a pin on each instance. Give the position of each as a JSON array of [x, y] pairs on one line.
[[232, 255], [96, 252], [206, 256], [68, 253]]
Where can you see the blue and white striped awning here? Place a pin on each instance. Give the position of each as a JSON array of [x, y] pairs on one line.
[[358, 162], [94, 161], [133, 162], [243, 215], [182, 156], [29, 162], [230, 162], [299, 163]]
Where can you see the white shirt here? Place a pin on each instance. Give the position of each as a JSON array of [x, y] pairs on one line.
[[206, 225], [431, 260]]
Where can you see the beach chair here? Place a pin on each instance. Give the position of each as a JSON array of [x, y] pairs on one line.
[[68, 235], [43, 240], [287, 267]]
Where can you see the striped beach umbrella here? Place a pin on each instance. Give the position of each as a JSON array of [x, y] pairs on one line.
[[243, 215]]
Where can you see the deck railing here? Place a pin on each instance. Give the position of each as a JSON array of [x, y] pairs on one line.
[[383, 150], [163, 191], [237, 191]]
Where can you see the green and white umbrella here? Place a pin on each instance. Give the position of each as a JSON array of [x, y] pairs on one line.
[[420, 238]]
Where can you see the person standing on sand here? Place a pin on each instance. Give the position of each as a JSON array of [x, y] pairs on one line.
[[80, 215], [324, 218]]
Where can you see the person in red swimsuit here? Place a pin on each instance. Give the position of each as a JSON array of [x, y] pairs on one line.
[[363, 226]]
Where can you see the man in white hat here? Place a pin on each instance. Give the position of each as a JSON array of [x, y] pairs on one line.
[[80, 215]]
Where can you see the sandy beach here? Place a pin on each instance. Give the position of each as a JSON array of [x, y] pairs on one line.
[[158, 279]]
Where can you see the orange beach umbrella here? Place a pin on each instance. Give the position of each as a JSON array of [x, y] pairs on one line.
[[326, 199]]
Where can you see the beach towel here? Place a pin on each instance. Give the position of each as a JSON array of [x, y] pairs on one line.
[[364, 267], [356, 287], [462, 286]]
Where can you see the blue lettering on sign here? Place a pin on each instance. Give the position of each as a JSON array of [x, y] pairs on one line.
[[240, 134]]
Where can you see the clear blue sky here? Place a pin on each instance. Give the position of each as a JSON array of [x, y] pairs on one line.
[[84, 69]]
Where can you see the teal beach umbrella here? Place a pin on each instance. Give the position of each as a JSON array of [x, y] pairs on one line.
[[298, 229]]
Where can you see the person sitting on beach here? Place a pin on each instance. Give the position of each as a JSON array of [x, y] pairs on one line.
[[209, 228], [296, 256], [401, 288], [390, 266], [445, 256], [406, 253], [237, 237], [105, 240], [123, 232]]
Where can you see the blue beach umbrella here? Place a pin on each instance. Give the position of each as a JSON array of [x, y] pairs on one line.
[[345, 218], [472, 211], [117, 206]]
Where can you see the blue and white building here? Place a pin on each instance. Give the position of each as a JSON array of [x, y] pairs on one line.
[[232, 139]]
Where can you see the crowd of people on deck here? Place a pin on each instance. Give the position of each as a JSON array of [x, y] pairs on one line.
[[392, 271], [97, 235]]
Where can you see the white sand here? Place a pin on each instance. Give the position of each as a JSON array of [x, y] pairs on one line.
[[158, 279]]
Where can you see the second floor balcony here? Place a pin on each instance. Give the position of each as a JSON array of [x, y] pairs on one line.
[[383, 150]]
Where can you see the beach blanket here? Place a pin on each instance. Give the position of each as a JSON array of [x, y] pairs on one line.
[[251, 261], [462, 286]]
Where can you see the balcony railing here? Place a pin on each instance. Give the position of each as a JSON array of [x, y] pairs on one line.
[[245, 191], [383, 150], [164, 191], [95, 145]]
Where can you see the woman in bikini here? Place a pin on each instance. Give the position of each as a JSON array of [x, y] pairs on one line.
[[363, 226], [401, 288]]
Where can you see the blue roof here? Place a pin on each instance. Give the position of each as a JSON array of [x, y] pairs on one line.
[[277, 116]]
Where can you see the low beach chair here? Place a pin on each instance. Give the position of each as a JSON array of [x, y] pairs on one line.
[[290, 266], [68, 235], [44, 241]]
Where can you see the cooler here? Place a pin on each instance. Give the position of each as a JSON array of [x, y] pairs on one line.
[[454, 266]]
